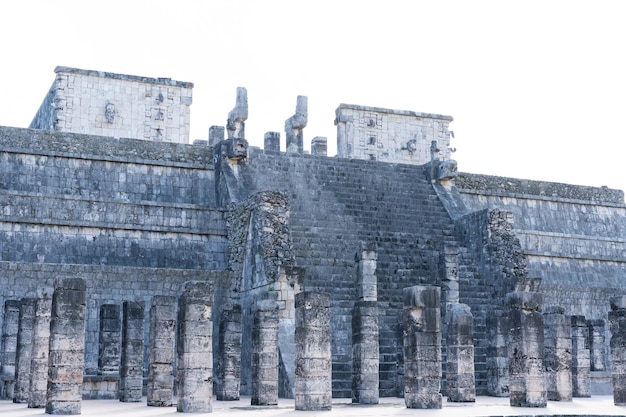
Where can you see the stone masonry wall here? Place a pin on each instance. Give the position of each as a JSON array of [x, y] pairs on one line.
[[334, 205], [79, 199], [374, 133], [117, 105]]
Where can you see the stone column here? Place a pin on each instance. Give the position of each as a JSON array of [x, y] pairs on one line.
[[526, 346], [271, 141], [67, 347], [617, 325], [597, 344], [365, 332], [229, 354], [581, 358], [195, 350], [449, 273], [422, 347], [558, 354], [23, 352], [40, 348], [161, 357], [131, 362], [265, 353], [319, 146], [313, 382], [497, 354], [10, 326], [109, 339], [295, 125], [460, 383], [216, 135]]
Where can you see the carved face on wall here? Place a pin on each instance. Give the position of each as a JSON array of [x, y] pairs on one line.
[[109, 112], [237, 148]]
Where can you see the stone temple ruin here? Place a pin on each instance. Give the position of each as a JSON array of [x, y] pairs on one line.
[[134, 264]]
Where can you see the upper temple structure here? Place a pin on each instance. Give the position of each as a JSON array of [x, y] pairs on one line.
[[385, 244]]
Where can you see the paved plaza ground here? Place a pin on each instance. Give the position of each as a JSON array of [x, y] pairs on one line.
[[600, 405]]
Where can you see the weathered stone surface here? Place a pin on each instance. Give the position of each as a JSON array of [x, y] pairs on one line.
[[497, 354], [526, 346], [24, 350], [228, 370], [581, 358], [617, 325], [194, 346], [597, 346], [295, 125], [460, 384], [160, 389], [131, 362], [109, 339], [313, 389], [40, 348], [10, 327], [558, 354], [319, 146], [422, 347], [265, 354], [271, 141], [67, 347]]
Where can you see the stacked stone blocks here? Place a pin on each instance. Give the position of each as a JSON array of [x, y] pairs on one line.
[[229, 354], [40, 348], [581, 358], [24, 350], [313, 390], [160, 389], [131, 362], [558, 354], [265, 353], [422, 347], [460, 383]]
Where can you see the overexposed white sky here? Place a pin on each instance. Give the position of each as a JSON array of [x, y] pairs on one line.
[[537, 88]]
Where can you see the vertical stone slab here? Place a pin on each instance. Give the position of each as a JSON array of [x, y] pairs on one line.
[[216, 135], [131, 362], [67, 347], [617, 325], [365, 331], [313, 383], [422, 347], [558, 354], [160, 390], [581, 358], [265, 357], [40, 349], [294, 126], [449, 273], [526, 347], [109, 339], [319, 146], [229, 354], [497, 326], [10, 326], [461, 386], [23, 352], [194, 347], [597, 345], [271, 141]]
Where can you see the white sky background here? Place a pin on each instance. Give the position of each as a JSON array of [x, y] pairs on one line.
[[537, 88]]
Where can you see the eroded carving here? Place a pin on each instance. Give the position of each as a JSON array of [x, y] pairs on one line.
[[295, 125], [235, 124]]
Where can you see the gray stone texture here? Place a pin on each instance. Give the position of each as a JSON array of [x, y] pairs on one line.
[[10, 326], [558, 354], [581, 358], [617, 325], [422, 347], [265, 353], [228, 372], [460, 382], [271, 141], [131, 360], [319, 146], [497, 354], [526, 346], [67, 347], [40, 348], [313, 387], [216, 135], [160, 389], [110, 339], [194, 348], [295, 125], [24, 350], [597, 344]]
